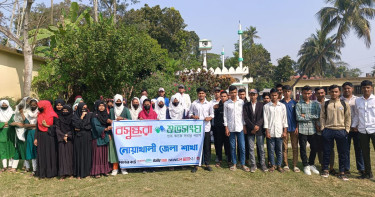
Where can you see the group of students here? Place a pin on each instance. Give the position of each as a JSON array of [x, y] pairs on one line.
[[66, 141]]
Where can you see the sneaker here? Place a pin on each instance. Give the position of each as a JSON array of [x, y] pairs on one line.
[[194, 170], [280, 169], [264, 168], [325, 174], [343, 177], [307, 170], [252, 169], [114, 172], [233, 167], [123, 171], [208, 168], [296, 169], [245, 168], [286, 168], [314, 170], [366, 176]]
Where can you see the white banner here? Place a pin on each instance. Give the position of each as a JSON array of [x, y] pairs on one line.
[[158, 143]]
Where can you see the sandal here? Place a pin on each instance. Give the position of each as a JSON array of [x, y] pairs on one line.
[[218, 165], [245, 168], [3, 170], [233, 168]]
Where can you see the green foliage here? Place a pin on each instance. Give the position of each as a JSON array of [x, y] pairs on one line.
[[213, 60], [100, 59], [342, 70], [284, 69]]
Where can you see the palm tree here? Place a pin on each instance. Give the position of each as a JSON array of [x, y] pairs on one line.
[[344, 15], [249, 35], [319, 47]]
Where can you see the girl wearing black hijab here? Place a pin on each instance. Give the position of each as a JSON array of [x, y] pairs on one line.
[[82, 141], [101, 127], [59, 103], [64, 131]]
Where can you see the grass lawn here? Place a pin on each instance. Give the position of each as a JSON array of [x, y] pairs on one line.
[[220, 182]]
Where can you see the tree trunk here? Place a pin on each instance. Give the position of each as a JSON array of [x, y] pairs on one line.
[[20, 19], [11, 19], [51, 12], [114, 11], [96, 10], [27, 52]]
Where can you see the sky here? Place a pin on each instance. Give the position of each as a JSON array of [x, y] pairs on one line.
[[283, 25]]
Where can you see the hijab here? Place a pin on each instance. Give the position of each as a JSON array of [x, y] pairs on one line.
[[143, 98], [86, 121], [20, 131], [78, 100], [48, 114], [102, 116], [66, 119], [176, 112], [31, 115], [118, 110], [161, 111], [62, 102], [5, 115], [74, 107], [135, 112], [148, 116]]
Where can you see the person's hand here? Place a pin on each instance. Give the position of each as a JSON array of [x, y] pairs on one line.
[[207, 119], [83, 114], [354, 129], [140, 118], [44, 123], [119, 118], [109, 128], [283, 135], [227, 133], [268, 135], [303, 115], [109, 121], [253, 131], [35, 142], [66, 138], [296, 131], [256, 128], [244, 130], [195, 117], [109, 136], [5, 124], [77, 130], [216, 106]]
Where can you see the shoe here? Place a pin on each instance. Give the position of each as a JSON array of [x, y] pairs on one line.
[[307, 170], [296, 169], [286, 168], [271, 169], [280, 169], [233, 167], [325, 174], [361, 172], [366, 176], [314, 170], [333, 172], [218, 165], [343, 177], [264, 168], [194, 170], [245, 168], [208, 168], [347, 172], [253, 169], [123, 171], [114, 172]]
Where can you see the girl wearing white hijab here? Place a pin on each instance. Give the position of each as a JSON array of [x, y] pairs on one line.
[[118, 112], [161, 109], [7, 134], [135, 108], [31, 115], [142, 99], [176, 110]]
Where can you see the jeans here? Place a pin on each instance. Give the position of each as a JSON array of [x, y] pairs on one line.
[[312, 139], [260, 148], [294, 142], [206, 149], [357, 150], [341, 138], [365, 145], [241, 143], [275, 147], [221, 139]]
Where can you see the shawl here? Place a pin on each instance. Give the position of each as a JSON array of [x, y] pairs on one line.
[[118, 110], [48, 114], [161, 112], [135, 112], [5, 115], [148, 116], [176, 112]]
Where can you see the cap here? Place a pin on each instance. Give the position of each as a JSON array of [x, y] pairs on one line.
[[217, 89], [161, 90], [181, 86], [253, 91]]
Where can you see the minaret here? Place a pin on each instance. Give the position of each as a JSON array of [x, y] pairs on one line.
[[223, 59], [240, 59], [205, 60]]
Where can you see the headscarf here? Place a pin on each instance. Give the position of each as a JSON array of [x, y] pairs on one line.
[[48, 114], [148, 116], [74, 107], [86, 124], [66, 120], [135, 112], [102, 116], [176, 112], [78, 100], [5, 115], [30, 115], [62, 102], [20, 131], [78, 96], [143, 98], [118, 110], [162, 112]]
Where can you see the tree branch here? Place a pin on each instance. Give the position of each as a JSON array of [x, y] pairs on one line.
[[11, 36]]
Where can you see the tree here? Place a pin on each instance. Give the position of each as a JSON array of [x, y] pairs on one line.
[[213, 60], [249, 35], [319, 47], [342, 70], [343, 16], [284, 69]]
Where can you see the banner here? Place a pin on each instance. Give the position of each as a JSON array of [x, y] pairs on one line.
[[158, 143]]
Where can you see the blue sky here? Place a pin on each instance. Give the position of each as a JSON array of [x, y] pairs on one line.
[[283, 25]]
